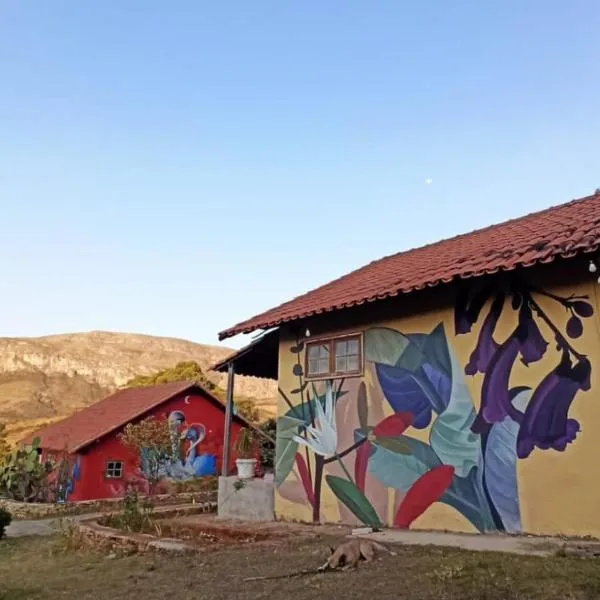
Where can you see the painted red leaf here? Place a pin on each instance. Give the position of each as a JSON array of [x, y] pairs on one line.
[[393, 425], [422, 494], [304, 477], [361, 460]]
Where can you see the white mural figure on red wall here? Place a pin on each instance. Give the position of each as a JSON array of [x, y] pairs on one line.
[[187, 459]]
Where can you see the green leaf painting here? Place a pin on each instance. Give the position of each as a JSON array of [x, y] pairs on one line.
[[385, 346], [285, 448], [349, 495]]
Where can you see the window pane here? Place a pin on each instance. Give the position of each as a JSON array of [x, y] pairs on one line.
[[323, 365], [313, 366], [341, 348], [340, 364], [324, 351], [313, 352], [352, 347], [352, 363]]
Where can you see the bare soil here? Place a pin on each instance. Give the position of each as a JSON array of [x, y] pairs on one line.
[[209, 532], [50, 568]]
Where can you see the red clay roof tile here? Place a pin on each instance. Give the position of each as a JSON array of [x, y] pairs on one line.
[[559, 231], [87, 425]]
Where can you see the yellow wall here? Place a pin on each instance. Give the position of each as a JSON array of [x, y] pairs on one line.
[[556, 491]]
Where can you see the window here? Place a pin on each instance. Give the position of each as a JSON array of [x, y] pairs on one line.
[[114, 469], [334, 357], [318, 359]]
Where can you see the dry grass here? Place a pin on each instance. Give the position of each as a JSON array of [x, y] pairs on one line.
[[47, 569]]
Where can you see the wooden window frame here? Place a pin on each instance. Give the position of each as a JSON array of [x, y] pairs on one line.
[[113, 461], [331, 341]]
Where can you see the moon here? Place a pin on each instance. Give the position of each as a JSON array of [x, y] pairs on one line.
[[186, 400]]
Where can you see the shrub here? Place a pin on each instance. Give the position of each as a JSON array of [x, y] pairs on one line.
[[135, 514], [267, 447], [23, 476], [5, 519]]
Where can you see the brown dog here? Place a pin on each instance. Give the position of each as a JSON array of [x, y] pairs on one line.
[[349, 554]]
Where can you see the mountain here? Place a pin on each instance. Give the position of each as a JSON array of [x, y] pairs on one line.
[[47, 378]]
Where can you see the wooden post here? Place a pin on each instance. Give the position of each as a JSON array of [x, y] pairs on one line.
[[228, 416]]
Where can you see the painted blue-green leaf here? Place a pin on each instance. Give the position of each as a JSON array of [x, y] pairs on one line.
[[467, 496], [349, 495], [501, 466], [384, 346], [400, 471], [436, 350], [285, 447], [450, 436]]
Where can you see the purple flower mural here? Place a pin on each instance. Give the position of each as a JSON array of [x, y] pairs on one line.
[[546, 422], [486, 345]]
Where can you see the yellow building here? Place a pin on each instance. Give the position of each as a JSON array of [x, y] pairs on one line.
[[453, 386]]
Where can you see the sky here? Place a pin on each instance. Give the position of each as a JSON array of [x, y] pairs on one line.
[[173, 168]]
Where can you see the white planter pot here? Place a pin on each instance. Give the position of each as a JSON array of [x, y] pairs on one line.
[[245, 467]]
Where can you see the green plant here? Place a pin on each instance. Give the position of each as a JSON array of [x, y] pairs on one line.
[[267, 446], [5, 519], [23, 476], [135, 514], [245, 442]]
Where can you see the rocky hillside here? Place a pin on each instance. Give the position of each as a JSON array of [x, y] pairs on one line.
[[42, 379]]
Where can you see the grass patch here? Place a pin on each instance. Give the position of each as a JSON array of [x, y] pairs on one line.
[[46, 568]]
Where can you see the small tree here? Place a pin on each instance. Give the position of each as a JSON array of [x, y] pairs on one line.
[[151, 440], [192, 371]]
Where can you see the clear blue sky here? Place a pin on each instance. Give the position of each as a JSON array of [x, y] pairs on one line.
[[172, 168]]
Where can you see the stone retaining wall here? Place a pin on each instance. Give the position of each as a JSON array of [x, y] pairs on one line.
[[91, 533], [28, 511]]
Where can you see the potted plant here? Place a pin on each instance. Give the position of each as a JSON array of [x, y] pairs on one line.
[[245, 461]]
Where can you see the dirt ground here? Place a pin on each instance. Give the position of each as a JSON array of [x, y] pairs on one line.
[[47, 568]]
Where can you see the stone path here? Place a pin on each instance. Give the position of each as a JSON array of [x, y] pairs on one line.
[[52, 525], [536, 546], [43, 526]]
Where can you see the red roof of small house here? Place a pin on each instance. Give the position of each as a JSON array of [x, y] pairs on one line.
[[84, 427], [559, 231]]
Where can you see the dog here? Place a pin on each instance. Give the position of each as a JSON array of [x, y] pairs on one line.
[[348, 554]]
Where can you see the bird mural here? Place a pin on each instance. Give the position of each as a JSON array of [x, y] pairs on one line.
[[188, 463]]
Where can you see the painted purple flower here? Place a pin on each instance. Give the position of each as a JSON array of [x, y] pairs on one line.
[[486, 346], [467, 308], [532, 344], [495, 395], [546, 423]]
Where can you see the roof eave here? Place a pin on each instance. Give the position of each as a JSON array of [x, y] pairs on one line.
[[244, 327]]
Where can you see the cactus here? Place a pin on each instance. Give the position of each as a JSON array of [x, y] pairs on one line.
[[23, 476]]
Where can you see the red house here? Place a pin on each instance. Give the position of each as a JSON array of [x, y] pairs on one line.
[[102, 466]]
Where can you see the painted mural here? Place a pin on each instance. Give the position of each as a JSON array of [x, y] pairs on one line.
[[421, 428], [186, 459], [65, 476]]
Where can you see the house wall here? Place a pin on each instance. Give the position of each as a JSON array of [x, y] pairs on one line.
[[88, 479], [492, 429]]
